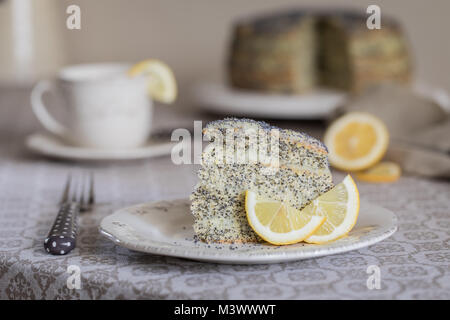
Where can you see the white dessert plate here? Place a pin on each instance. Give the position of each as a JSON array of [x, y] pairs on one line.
[[222, 99], [51, 146], [165, 228]]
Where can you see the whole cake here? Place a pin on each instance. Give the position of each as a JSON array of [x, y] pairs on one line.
[[296, 51], [300, 175]]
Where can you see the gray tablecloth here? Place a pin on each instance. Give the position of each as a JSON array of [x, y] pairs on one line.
[[414, 262]]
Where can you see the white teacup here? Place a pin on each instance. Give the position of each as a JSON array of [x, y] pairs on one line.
[[105, 107]]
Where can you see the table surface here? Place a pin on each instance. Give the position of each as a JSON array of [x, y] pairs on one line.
[[414, 262]]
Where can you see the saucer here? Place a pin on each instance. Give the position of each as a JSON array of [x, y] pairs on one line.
[[54, 147]]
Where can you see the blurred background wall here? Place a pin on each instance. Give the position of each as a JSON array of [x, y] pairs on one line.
[[192, 36]]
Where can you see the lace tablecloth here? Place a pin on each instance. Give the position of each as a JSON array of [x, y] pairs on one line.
[[414, 262]]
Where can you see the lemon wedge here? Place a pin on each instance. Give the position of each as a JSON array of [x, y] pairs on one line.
[[382, 172], [356, 141], [340, 207], [162, 86], [278, 223]]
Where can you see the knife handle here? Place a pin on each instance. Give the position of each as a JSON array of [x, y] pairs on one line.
[[62, 237]]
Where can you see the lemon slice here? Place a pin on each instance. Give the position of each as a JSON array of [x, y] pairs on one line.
[[161, 82], [356, 141], [278, 223], [340, 206], [382, 172]]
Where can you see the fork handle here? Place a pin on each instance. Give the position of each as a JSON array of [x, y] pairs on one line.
[[62, 237]]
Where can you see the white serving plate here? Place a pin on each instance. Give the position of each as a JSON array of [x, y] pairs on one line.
[[222, 99], [319, 104], [165, 228], [51, 146]]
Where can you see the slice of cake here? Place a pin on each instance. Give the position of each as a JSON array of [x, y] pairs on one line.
[[299, 174]]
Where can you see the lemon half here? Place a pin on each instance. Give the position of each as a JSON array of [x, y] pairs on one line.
[[356, 141]]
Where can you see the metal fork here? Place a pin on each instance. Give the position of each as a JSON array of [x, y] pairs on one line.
[[62, 237]]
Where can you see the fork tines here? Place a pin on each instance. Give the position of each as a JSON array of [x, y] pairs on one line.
[[80, 191]]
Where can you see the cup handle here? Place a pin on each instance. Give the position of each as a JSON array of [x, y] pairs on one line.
[[41, 111]]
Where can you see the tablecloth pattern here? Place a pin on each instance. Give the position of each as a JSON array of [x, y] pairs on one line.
[[414, 262]]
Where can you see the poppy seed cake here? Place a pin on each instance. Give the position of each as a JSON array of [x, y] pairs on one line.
[[299, 175], [298, 50]]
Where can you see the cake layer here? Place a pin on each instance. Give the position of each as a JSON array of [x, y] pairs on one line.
[[297, 186], [244, 126], [221, 218]]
